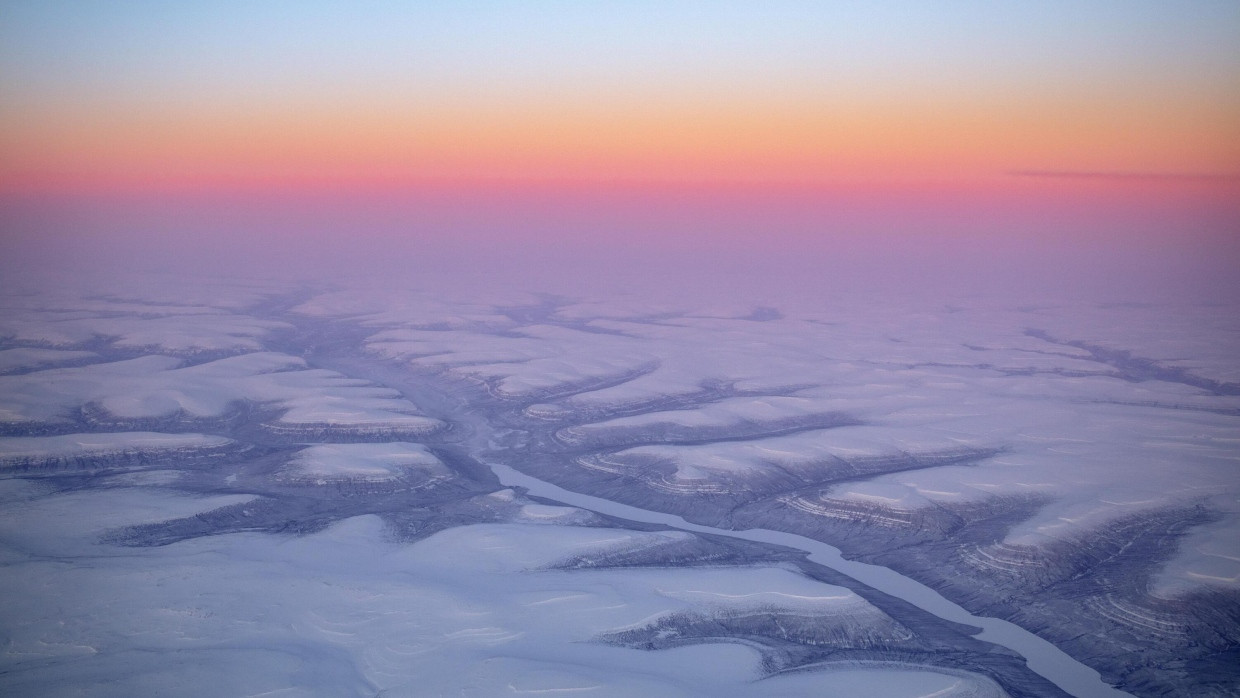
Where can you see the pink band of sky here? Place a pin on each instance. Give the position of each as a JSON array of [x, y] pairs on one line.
[[612, 123]]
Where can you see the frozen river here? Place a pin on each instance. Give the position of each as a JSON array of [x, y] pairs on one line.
[[474, 434], [1042, 657]]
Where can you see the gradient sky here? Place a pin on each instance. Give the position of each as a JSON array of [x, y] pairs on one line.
[[681, 121]]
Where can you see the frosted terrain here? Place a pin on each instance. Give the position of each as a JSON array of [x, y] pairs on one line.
[[369, 462], [209, 488]]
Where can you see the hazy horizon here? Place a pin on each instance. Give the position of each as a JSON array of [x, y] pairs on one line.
[[611, 145]]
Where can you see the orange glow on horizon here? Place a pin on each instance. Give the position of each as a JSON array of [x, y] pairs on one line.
[[850, 142]]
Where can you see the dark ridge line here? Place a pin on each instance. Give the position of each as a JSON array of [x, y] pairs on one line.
[[112, 298], [566, 390], [975, 347], [1029, 371], [71, 363], [582, 415], [763, 313], [461, 364], [612, 446], [1170, 523], [281, 510], [1225, 411], [282, 302], [1055, 372], [652, 319], [710, 392], [586, 327], [539, 313], [1138, 369], [97, 343], [106, 352], [925, 462]]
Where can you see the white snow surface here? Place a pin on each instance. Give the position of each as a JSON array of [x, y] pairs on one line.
[[158, 386], [19, 448], [22, 358], [729, 412], [177, 330], [349, 612], [367, 462]]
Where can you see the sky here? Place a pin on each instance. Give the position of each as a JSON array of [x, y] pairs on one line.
[[851, 133]]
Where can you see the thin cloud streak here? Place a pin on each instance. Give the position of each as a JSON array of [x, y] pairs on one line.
[[1131, 176]]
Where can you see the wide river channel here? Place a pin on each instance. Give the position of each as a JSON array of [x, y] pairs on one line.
[[1042, 657]]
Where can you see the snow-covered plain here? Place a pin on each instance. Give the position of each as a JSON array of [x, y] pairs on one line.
[[368, 462], [155, 386], [205, 492], [1102, 439], [27, 358], [37, 452], [470, 611], [1091, 441], [63, 321]]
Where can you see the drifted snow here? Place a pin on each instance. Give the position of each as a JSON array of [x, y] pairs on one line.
[[349, 612], [157, 386], [96, 445], [366, 462]]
